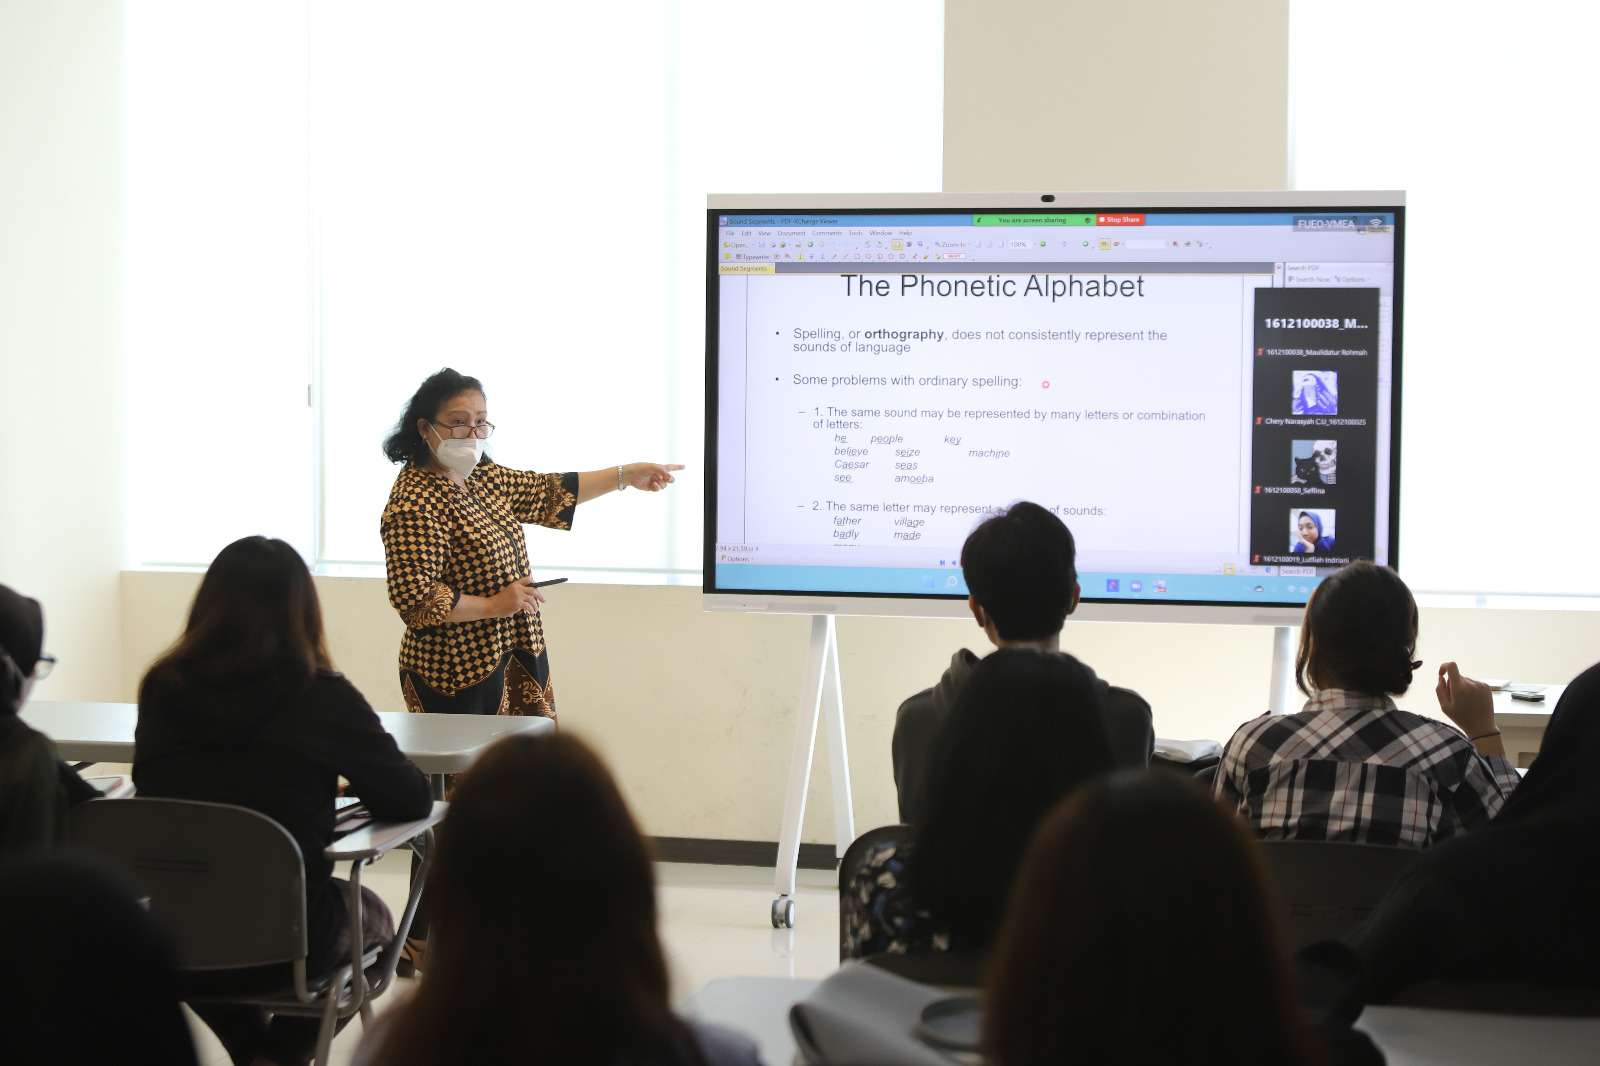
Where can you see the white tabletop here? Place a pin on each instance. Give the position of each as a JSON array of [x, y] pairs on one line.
[[1510, 713], [437, 743], [1408, 1036]]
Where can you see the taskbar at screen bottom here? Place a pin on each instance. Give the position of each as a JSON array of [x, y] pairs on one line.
[[1269, 584]]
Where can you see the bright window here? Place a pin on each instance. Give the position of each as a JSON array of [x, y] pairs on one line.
[[510, 189], [1483, 119]]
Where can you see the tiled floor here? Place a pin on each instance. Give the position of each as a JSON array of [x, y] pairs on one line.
[[714, 923]]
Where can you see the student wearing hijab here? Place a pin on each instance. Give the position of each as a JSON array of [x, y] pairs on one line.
[[1512, 903], [36, 788], [1311, 542]]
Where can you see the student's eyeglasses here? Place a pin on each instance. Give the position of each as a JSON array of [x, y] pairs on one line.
[[483, 430], [1322, 453], [42, 668]]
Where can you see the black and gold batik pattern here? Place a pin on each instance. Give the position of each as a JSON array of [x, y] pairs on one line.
[[442, 541]]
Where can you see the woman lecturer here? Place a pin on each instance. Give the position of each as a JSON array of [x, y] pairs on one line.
[[457, 560]]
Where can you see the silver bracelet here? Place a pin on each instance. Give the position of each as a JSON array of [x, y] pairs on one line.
[[620, 485]]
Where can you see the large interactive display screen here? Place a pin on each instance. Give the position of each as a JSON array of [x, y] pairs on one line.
[[1205, 388]]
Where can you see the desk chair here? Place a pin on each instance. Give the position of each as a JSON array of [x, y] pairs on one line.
[[944, 969], [229, 885], [1329, 888], [854, 856]]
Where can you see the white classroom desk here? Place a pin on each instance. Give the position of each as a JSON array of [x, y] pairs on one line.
[[439, 744], [1522, 724], [1409, 1036]]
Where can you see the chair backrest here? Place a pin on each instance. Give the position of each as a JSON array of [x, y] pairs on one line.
[[856, 854], [1328, 889], [227, 882]]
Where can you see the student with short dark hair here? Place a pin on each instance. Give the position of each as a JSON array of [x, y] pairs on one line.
[[544, 946], [1022, 579], [1143, 929], [1026, 729], [1351, 766], [247, 709]]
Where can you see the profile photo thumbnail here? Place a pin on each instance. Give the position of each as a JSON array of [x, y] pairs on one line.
[[1311, 532], [1316, 392], [1313, 462]]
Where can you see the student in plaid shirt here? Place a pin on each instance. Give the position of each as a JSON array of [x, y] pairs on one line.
[[1351, 766]]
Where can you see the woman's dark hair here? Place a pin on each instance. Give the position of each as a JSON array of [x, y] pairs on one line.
[[1025, 730], [542, 943], [1020, 566], [1360, 632], [255, 621], [404, 444], [1142, 918], [21, 643]]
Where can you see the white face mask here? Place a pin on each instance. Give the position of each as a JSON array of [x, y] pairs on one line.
[[459, 455]]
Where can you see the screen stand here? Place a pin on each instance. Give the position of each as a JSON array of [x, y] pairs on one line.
[[1280, 700], [819, 695]]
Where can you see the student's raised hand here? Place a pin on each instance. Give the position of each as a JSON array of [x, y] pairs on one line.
[[1467, 703]]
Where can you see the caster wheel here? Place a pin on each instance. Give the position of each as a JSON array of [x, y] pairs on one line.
[[783, 913]]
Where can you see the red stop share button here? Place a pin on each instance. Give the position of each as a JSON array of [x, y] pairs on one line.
[[1119, 220]]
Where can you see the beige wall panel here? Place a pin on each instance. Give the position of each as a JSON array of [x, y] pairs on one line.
[[61, 373], [696, 711], [1141, 94]]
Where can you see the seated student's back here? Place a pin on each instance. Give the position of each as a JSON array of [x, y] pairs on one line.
[[1025, 731], [543, 944], [246, 709], [1020, 568], [1514, 902], [1351, 766]]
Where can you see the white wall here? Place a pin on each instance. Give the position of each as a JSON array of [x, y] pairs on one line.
[[61, 383], [1136, 94]]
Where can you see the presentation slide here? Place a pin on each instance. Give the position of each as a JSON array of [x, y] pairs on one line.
[[1208, 417]]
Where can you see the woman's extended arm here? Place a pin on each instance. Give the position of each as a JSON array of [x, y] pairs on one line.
[[647, 477]]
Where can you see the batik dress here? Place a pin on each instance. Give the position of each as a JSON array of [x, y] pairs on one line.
[[442, 541]]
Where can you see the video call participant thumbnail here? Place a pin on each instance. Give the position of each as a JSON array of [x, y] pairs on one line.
[[1020, 567], [1311, 532], [1314, 462], [1316, 392]]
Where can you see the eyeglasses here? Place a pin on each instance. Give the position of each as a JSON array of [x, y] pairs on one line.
[[1322, 453], [42, 668], [483, 430]]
